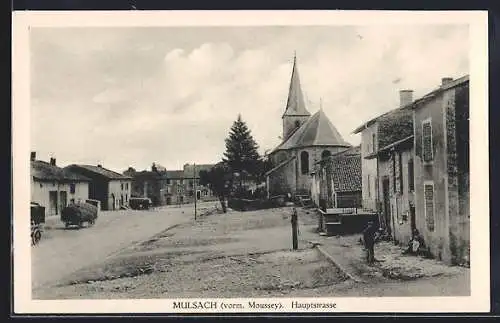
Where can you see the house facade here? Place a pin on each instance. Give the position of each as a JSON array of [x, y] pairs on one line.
[[422, 169], [54, 188], [369, 146], [183, 186], [150, 184], [193, 188], [441, 139], [112, 189], [306, 140]]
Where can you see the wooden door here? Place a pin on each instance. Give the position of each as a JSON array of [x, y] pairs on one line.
[[387, 204]]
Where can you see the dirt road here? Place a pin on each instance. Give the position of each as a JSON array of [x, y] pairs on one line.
[[63, 251]]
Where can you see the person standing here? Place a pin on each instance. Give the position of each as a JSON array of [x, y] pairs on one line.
[[369, 241]]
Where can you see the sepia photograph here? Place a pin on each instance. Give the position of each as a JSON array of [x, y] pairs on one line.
[[250, 162]]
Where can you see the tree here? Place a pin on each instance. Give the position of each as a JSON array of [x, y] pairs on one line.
[[241, 155], [218, 179]]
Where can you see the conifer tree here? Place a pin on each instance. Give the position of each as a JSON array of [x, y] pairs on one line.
[[241, 153]]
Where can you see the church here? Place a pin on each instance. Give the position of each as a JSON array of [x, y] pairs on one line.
[[306, 139]]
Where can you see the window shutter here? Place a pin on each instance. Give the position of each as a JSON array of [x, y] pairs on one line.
[[427, 141], [411, 179], [429, 206]]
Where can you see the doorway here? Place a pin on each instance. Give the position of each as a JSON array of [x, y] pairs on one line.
[[53, 203], [387, 204], [63, 199], [113, 201], [412, 218], [198, 195]]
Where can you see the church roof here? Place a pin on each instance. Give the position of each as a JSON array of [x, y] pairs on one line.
[[295, 105], [318, 130]]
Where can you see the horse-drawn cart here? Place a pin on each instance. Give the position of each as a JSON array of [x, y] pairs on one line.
[[37, 219], [79, 213]]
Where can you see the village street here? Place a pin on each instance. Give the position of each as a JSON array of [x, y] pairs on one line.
[[242, 254], [62, 251]]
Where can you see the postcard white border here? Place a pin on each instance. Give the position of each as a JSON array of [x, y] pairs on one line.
[[479, 301]]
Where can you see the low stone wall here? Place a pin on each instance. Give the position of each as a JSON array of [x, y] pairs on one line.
[[251, 205]]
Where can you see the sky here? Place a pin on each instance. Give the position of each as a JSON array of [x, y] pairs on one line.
[[127, 97]]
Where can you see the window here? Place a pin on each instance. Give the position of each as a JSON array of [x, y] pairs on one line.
[[373, 142], [429, 205], [121, 186], [411, 179], [427, 154], [126, 186], [72, 188], [304, 162], [325, 154], [168, 181]]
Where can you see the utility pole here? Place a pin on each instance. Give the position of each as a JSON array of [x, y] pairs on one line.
[[195, 192]]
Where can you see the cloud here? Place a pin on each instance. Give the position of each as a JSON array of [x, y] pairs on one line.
[[131, 97]]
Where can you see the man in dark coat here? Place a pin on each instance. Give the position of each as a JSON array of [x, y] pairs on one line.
[[369, 241]]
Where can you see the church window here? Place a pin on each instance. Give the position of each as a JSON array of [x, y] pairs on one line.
[[325, 154], [304, 162]]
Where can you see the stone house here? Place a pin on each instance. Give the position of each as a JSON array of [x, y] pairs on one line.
[[394, 157], [181, 185], [306, 139], [151, 184], [174, 192], [441, 140], [421, 158], [336, 182], [192, 183], [369, 145], [112, 189], [54, 188]]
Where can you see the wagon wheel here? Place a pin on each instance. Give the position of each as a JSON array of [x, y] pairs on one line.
[[37, 236]]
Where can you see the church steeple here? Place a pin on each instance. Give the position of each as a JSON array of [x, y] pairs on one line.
[[295, 112], [295, 105]]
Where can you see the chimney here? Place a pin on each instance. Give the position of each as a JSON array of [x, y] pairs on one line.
[[405, 97], [446, 80], [33, 156], [52, 161], [100, 166]]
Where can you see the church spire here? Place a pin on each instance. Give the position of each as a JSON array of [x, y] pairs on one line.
[[295, 105]]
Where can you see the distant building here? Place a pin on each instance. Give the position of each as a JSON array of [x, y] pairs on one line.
[[192, 183], [182, 186], [150, 184], [306, 140], [175, 192], [112, 189], [54, 188]]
